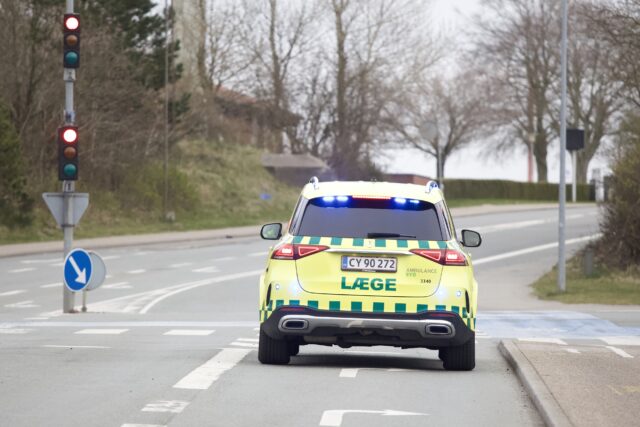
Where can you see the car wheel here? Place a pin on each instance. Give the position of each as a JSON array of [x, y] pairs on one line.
[[294, 348], [272, 351], [459, 358]]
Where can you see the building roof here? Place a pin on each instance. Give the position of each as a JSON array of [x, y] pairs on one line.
[[297, 161]]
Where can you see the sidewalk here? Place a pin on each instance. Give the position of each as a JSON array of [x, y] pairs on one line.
[[226, 233], [579, 383]]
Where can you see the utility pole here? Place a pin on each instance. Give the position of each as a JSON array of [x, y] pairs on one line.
[[563, 144], [165, 198]]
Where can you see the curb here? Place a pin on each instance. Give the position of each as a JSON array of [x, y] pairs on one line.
[[548, 407]]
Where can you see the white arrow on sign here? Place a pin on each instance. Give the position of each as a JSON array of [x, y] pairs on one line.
[[82, 275], [333, 417]]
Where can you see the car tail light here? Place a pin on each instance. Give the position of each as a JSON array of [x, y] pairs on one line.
[[442, 256], [292, 252]]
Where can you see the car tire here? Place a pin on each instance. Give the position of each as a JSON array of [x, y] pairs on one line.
[[293, 347], [459, 358], [272, 351]]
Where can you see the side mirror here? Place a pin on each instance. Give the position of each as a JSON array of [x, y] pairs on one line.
[[271, 231], [471, 239]]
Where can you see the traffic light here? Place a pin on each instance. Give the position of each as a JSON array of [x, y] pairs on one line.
[[68, 153], [71, 40]]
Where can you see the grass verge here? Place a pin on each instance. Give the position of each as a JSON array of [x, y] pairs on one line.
[[603, 286]]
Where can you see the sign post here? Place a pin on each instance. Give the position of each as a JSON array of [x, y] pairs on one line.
[[575, 142]]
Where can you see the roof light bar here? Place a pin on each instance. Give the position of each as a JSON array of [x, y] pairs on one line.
[[361, 197]]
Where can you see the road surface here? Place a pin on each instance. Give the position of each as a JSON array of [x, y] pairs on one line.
[[171, 340]]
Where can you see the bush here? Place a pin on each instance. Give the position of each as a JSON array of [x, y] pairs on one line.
[[502, 189], [621, 224], [15, 204]]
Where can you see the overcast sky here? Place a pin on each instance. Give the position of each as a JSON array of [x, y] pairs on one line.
[[451, 16]]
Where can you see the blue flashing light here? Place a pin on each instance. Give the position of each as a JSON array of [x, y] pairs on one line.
[[414, 201], [342, 199], [329, 199], [400, 200]]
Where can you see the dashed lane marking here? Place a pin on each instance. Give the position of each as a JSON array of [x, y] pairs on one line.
[[35, 318], [143, 425], [117, 285], [543, 340], [190, 332], [14, 331], [101, 331], [622, 340], [22, 270], [22, 304], [244, 344], [248, 339], [210, 269], [353, 372], [181, 264], [572, 350], [226, 258], [620, 352], [51, 285], [108, 257], [173, 406], [138, 271], [257, 254], [203, 376], [10, 293], [39, 261], [70, 347]]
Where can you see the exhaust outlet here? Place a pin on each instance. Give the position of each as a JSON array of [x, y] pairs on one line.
[[295, 324], [439, 330]]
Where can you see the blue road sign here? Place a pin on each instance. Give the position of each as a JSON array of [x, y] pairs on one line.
[[77, 270]]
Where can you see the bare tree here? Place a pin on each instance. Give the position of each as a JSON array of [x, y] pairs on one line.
[[441, 116], [518, 48]]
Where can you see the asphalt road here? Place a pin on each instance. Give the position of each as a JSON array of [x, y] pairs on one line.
[[171, 339]]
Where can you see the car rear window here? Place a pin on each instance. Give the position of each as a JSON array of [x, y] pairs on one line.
[[359, 218]]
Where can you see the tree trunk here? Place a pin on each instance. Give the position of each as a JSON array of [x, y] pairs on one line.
[[540, 154]]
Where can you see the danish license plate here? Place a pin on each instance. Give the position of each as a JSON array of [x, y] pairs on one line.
[[369, 263]]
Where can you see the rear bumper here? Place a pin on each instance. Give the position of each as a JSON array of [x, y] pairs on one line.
[[426, 329]]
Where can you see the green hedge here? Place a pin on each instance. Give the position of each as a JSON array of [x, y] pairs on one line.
[[502, 189]]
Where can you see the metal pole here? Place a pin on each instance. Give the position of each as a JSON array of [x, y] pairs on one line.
[[166, 106], [68, 187], [574, 184], [563, 144]]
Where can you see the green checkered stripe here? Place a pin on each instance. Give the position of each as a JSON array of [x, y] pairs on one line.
[[368, 307], [349, 242]]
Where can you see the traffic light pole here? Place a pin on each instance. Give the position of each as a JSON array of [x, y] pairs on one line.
[[68, 187]]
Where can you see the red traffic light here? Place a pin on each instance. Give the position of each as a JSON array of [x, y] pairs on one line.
[[71, 22], [69, 135]]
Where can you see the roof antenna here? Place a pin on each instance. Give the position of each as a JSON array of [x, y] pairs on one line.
[[315, 182], [431, 185]]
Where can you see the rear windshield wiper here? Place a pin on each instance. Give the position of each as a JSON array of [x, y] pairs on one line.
[[390, 236]]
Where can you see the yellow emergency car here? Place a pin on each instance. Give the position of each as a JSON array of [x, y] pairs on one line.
[[369, 263]]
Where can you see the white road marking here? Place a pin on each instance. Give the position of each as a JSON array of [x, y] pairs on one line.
[[22, 304], [248, 339], [211, 269], [620, 352], [143, 425], [35, 318], [533, 249], [188, 286], [353, 372], [51, 285], [543, 340], [39, 261], [520, 224], [138, 271], [14, 331], [190, 332], [142, 253], [22, 270], [226, 258], [173, 406], [10, 293], [333, 417], [117, 285], [202, 377], [108, 257], [373, 353], [256, 254], [630, 340], [130, 324], [572, 350], [181, 264], [101, 331], [244, 344], [57, 264], [98, 347]]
